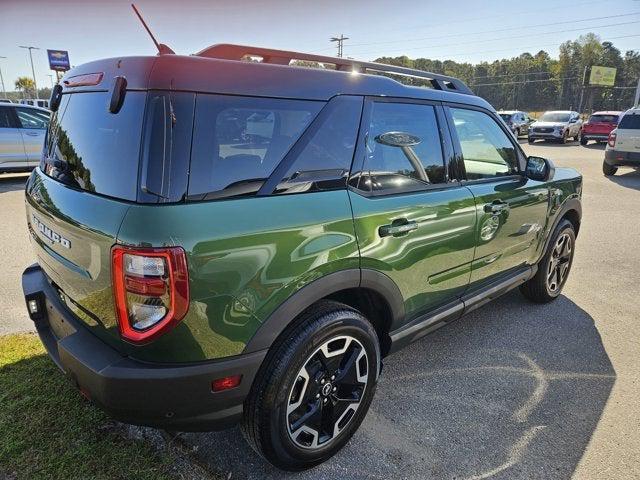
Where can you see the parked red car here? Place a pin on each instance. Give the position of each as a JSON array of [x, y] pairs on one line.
[[599, 126]]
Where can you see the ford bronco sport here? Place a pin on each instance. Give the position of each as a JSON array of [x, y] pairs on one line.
[[224, 241]]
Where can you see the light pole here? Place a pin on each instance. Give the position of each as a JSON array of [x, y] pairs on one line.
[[4, 91], [51, 80], [33, 72]]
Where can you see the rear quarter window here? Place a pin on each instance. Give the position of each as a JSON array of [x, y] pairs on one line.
[[239, 141]]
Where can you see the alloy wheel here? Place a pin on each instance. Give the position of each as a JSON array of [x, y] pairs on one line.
[[559, 263], [327, 392]]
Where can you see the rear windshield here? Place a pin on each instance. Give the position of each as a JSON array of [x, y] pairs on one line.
[[630, 122], [603, 119], [91, 149]]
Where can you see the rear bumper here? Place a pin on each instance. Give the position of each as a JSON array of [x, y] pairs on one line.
[[601, 137], [175, 397], [622, 159]]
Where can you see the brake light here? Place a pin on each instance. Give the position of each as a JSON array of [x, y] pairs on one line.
[[612, 139], [151, 290]]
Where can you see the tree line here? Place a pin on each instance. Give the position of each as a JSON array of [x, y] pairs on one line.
[[536, 82]]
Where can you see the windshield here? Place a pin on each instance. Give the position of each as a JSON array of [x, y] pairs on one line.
[[555, 117]]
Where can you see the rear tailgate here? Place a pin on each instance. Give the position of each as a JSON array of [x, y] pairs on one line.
[[78, 197], [72, 233]]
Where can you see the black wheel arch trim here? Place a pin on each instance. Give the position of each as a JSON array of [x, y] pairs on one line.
[[570, 204], [323, 287]]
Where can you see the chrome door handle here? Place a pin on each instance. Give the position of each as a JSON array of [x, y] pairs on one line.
[[496, 207], [398, 228]]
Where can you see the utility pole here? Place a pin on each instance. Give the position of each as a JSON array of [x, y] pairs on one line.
[[584, 80], [4, 90], [340, 41], [33, 72]]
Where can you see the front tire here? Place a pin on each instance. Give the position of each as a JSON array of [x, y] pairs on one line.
[[553, 270], [608, 170], [314, 389]]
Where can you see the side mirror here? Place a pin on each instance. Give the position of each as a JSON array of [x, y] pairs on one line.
[[540, 169]]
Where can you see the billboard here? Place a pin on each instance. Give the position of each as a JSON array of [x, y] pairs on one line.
[[58, 60], [603, 76]]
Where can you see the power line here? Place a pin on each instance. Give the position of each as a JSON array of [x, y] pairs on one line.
[[524, 81], [529, 46], [506, 38], [512, 74], [466, 34]]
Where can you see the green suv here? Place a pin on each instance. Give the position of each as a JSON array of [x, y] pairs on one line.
[[222, 241]]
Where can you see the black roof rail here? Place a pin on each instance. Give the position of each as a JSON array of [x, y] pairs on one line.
[[227, 51]]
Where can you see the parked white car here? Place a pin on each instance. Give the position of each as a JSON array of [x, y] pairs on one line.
[[22, 132], [558, 125], [623, 146]]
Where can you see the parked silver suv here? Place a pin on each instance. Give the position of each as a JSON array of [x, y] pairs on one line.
[[558, 125], [22, 131]]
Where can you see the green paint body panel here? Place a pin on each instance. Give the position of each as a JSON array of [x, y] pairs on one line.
[[247, 256], [430, 265]]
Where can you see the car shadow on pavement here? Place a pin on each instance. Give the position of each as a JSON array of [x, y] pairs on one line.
[[12, 182], [513, 390], [626, 178]]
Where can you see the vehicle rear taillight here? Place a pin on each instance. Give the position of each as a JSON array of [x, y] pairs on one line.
[[151, 290], [612, 139]]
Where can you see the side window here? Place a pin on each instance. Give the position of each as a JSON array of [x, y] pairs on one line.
[[238, 141], [32, 118], [403, 148], [325, 161], [5, 118], [486, 149]]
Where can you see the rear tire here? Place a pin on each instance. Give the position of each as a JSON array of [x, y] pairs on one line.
[[530, 140], [608, 170], [307, 381], [583, 141], [555, 266]]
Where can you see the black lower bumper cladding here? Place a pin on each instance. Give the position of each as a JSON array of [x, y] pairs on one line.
[[175, 397]]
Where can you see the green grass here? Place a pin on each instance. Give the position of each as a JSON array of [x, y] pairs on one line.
[[48, 431]]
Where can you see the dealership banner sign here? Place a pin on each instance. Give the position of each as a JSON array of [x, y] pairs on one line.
[[58, 60], [602, 76]]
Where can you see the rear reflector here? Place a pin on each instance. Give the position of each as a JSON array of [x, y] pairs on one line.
[[151, 290], [226, 383]]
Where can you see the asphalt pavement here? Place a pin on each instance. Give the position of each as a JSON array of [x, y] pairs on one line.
[[513, 390]]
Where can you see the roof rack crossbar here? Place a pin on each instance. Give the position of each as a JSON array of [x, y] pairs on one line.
[[283, 57]]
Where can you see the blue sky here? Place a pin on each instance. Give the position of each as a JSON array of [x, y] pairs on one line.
[[462, 30]]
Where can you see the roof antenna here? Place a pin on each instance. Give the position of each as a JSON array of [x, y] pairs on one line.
[[162, 48]]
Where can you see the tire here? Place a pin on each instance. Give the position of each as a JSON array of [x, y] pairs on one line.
[[530, 140], [583, 141], [293, 381], [608, 170], [564, 138], [554, 267]]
